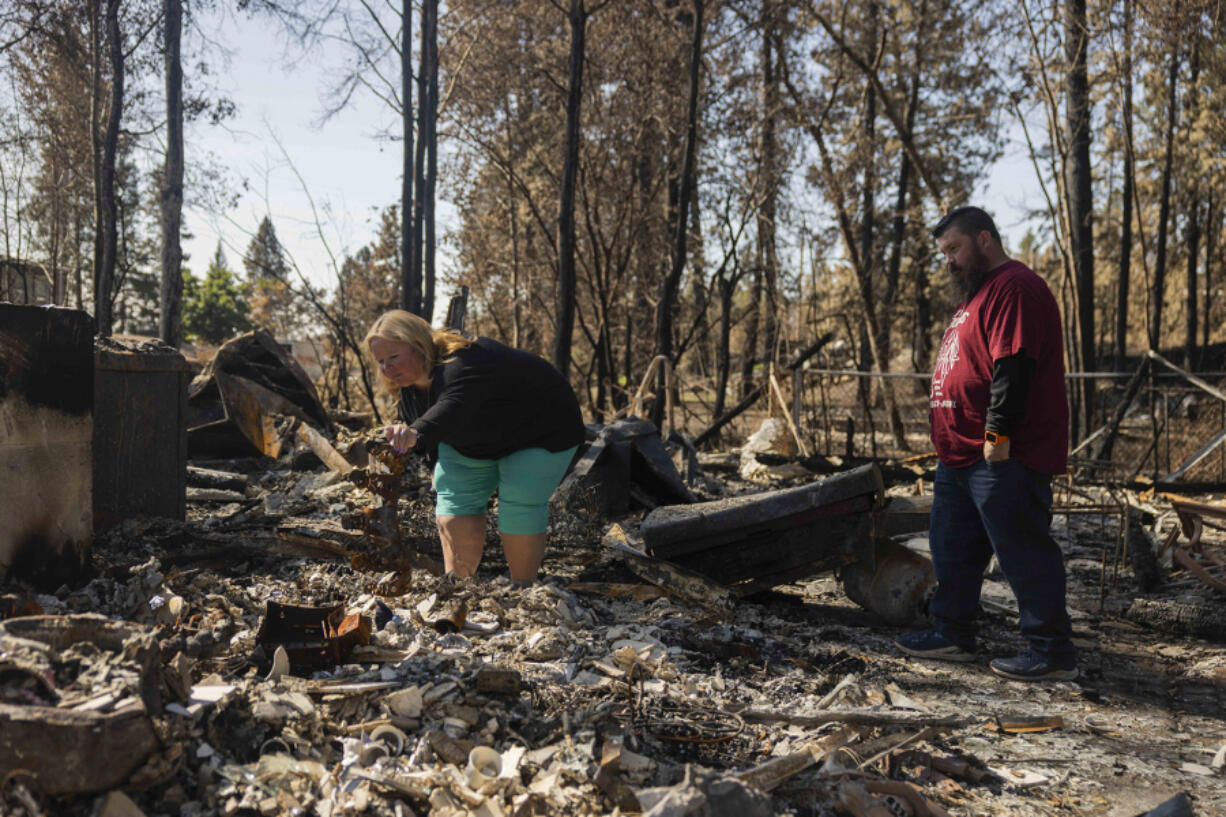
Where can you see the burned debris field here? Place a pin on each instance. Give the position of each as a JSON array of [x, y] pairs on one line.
[[275, 653]]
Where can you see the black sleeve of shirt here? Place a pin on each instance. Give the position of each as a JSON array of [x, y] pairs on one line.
[[1011, 377]]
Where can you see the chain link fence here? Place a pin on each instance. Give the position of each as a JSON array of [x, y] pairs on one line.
[[1167, 435]]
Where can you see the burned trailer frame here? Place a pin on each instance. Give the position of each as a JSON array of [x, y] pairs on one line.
[[842, 523]]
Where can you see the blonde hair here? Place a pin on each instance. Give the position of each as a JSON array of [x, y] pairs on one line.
[[405, 327]]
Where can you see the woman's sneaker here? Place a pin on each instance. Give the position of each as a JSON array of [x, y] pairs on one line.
[[1029, 666], [932, 644]]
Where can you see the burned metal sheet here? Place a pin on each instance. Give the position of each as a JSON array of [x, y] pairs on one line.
[[624, 463], [897, 584], [313, 637], [244, 400]]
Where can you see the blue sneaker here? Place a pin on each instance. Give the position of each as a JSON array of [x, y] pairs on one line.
[[1029, 666], [932, 644]]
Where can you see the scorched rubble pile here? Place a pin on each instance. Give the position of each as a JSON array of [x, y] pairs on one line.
[[589, 693]]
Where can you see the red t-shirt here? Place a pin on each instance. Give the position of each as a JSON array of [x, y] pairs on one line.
[[1012, 312]]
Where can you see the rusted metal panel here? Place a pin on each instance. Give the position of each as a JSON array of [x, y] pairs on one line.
[[237, 403], [625, 461], [252, 408], [46, 431], [140, 431], [313, 637]]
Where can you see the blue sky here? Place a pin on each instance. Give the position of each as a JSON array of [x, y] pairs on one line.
[[350, 173]]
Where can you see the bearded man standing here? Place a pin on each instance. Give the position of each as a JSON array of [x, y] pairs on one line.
[[999, 418]]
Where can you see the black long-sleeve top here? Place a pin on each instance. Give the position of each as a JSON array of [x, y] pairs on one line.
[[1011, 378], [490, 400]]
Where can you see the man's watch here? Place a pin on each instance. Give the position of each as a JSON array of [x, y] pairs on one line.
[[994, 438]]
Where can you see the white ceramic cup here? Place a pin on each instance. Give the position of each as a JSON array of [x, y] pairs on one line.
[[484, 765]]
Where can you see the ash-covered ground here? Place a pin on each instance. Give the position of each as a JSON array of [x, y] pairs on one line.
[[598, 693]]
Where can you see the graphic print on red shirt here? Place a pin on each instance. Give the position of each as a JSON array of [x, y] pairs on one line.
[[1013, 311], [946, 359]]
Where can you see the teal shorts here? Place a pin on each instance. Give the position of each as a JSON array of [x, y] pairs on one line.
[[525, 480]]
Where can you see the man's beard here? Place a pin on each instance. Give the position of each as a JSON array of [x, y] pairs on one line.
[[967, 280]]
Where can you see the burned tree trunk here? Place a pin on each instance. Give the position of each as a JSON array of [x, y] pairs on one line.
[[566, 210], [672, 282], [1164, 205], [431, 137], [1211, 230], [1204, 620], [409, 283], [1081, 204], [170, 326], [416, 260], [95, 138], [1193, 231], [109, 223], [768, 258], [1122, 285]]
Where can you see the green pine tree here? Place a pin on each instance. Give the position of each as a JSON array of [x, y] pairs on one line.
[[274, 306], [218, 307]]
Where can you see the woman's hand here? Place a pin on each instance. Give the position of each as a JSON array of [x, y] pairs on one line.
[[401, 436]]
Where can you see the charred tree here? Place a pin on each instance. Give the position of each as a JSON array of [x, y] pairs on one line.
[[1126, 232], [672, 282], [768, 174], [749, 340], [1081, 204], [1193, 230], [109, 223], [409, 282], [566, 208], [1164, 203], [1125, 271], [416, 260], [1191, 358], [95, 137], [898, 227], [1211, 231], [170, 326], [431, 137]]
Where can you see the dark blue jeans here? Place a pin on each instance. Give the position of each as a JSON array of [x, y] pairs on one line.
[[1000, 507]]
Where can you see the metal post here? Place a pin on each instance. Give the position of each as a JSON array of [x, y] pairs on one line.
[[797, 385]]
